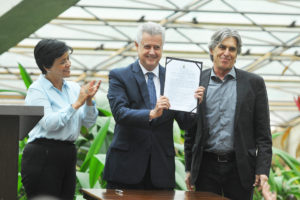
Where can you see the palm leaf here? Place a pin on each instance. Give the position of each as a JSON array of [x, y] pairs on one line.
[[25, 76], [105, 112], [289, 160], [96, 167], [180, 174], [176, 133], [15, 91], [96, 145], [290, 182], [102, 120], [179, 147], [83, 179], [275, 135]]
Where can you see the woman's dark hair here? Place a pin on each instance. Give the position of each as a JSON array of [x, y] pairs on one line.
[[47, 50]]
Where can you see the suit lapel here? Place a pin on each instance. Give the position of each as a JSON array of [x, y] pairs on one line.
[[140, 78], [205, 76], [204, 82], [240, 94]]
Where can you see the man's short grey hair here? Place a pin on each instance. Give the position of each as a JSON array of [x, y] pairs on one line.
[[152, 29], [221, 35]]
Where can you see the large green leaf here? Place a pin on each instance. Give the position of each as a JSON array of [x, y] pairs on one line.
[[101, 158], [180, 174], [25, 76], [279, 183], [102, 120], [105, 112], [20, 185], [275, 135], [289, 160], [83, 179], [179, 147], [14, 91], [290, 181], [102, 102], [96, 168], [271, 180], [176, 133], [79, 197], [96, 145]]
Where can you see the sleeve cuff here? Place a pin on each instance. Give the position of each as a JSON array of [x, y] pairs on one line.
[[70, 110], [91, 110]]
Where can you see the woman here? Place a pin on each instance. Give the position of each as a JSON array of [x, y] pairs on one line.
[[49, 158]]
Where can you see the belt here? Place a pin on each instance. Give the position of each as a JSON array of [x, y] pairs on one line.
[[51, 141], [221, 157]]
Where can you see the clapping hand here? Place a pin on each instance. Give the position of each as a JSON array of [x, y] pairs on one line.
[[91, 88], [87, 92]]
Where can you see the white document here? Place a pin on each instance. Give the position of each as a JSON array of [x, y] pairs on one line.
[[182, 80]]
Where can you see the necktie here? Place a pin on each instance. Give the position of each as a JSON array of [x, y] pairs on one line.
[[151, 89]]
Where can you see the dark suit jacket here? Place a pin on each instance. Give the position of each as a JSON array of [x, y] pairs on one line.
[[252, 136], [136, 139]]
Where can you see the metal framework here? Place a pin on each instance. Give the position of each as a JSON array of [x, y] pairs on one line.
[[102, 34]]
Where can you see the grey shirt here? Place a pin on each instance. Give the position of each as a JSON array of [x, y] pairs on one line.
[[220, 111]]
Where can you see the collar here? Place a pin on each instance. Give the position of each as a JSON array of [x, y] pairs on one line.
[[145, 71], [231, 74], [47, 84]]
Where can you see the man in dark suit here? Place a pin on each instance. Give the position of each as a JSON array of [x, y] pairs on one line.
[[230, 149], [141, 155]]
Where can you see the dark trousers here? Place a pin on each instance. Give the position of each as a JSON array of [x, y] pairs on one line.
[[49, 169], [144, 184], [221, 178]]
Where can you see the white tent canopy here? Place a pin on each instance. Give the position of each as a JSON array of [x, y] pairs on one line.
[[102, 34]]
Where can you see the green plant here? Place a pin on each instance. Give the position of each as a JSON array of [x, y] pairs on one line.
[[284, 176], [92, 147], [21, 191], [25, 76], [27, 81]]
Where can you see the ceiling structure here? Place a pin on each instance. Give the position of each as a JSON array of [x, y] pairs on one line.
[[102, 34], [20, 18]]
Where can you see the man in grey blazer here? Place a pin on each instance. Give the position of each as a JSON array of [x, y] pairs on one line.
[[229, 151], [141, 155]]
